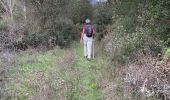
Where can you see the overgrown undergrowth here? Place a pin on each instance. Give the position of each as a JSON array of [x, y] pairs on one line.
[[61, 74]]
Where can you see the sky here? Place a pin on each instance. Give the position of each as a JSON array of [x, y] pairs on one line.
[[94, 1], [100, 0]]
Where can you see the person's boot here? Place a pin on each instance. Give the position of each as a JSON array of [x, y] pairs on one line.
[[88, 59]]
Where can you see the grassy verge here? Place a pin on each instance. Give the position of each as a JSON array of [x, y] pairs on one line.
[[90, 73], [59, 74], [30, 70]]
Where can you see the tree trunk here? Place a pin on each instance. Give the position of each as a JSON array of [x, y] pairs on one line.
[[25, 10]]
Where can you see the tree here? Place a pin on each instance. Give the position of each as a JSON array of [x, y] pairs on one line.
[[82, 10], [8, 6]]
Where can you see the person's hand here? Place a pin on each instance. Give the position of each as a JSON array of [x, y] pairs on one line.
[[93, 35], [81, 41]]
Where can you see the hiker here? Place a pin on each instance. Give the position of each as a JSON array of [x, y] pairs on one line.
[[87, 36]]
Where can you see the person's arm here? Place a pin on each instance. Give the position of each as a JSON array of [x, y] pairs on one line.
[[82, 34]]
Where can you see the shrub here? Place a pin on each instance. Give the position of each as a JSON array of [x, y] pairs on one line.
[[147, 76], [2, 24], [36, 39], [64, 30], [139, 24], [103, 17], [167, 53], [59, 31]]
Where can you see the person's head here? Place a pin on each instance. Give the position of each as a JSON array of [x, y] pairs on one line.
[[87, 21]]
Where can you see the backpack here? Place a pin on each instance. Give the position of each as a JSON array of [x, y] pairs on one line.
[[88, 30]]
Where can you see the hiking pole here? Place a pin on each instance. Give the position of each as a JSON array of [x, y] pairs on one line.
[[93, 48]]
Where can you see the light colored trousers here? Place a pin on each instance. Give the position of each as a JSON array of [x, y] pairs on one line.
[[87, 46]]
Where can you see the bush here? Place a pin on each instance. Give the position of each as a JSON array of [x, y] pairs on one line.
[[137, 25], [167, 53], [60, 31], [140, 30], [2, 24], [103, 18], [147, 76], [63, 30], [36, 39]]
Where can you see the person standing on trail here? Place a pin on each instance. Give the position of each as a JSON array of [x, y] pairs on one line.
[[87, 36]]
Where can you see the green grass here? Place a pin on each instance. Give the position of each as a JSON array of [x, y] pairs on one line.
[[28, 64], [88, 81], [81, 76], [64, 74]]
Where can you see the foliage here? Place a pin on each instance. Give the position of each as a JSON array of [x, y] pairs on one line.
[[56, 22], [81, 11], [2, 25], [102, 18], [35, 22], [147, 76], [138, 24], [63, 30], [132, 26], [167, 53], [140, 31]]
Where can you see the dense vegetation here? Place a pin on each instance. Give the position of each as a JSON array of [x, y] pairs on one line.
[[41, 22], [41, 59]]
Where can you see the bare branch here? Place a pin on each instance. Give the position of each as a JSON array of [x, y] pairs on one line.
[[37, 1], [4, 6], [12, 4]]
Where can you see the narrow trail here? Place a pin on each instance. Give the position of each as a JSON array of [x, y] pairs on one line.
[[83, 75], [87, 82]]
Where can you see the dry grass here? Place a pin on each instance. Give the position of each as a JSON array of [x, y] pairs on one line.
[[56, 74], [65, 75], [147, 77], [7, 61]]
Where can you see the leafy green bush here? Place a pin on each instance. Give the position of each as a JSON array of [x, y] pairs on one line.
[[167, 53], [2, 24], [64, 30], [103, 17], [36, 39], [138, 25]]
